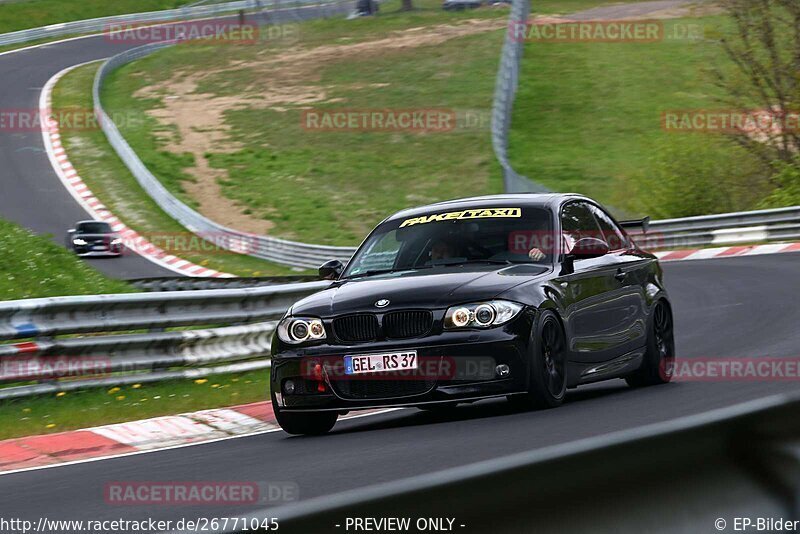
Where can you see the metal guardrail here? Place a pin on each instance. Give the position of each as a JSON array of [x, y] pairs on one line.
[[104, 23], [129, 357], [185, 283], [504, 94], [124, 357], [682, 475], [106, 313], [774, 225], [281, 251]]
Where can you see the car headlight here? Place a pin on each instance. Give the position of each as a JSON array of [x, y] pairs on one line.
[[481, 314], [116, 241], [296, 330], [79, 241]]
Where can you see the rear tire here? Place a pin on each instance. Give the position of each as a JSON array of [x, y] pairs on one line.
[[548, 366], [658, 363], [301, 423]]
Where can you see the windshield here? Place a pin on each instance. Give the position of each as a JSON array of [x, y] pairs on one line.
[[94, 228], [502, 235]]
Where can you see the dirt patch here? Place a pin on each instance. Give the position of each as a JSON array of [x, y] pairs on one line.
[[291, 79]]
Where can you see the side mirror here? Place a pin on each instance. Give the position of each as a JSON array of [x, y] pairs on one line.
[[331, 270], [588, 247]]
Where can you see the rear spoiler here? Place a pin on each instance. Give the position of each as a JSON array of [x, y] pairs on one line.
[[633, 224]]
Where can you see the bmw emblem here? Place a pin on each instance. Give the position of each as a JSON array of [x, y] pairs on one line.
[[382, 303]]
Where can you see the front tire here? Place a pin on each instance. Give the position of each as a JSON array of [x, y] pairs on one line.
[[305, 424], [548, 366], [658, 364]]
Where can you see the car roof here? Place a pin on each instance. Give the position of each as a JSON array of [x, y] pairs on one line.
[[536, 200]]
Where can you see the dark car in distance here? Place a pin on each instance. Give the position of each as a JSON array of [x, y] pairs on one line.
[[519, 296], [94, 238]]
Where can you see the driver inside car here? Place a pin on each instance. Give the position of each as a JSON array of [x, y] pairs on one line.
[[442, 250]]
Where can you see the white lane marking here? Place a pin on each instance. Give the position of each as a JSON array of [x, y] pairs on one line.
[[181, 446], [229, 421], [159, 431], [705, 253]]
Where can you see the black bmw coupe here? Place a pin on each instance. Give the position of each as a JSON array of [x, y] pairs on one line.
[[520, 296]]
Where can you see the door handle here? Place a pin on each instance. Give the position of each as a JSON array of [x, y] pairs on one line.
[[620, 275]]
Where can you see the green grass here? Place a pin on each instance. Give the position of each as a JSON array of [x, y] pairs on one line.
[[33, 266], [109, 179], [25, 14], [587, 118], [86, 408], [332, 187]]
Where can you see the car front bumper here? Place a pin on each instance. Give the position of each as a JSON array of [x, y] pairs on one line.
[[91, 251], [466, 369]]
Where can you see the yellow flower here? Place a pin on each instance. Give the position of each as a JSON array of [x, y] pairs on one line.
[[234, 379], [256, 273], [61, 393], [51, 425], [112, 391], [136, 386], [214, 385], [201, 381], [120, 397], [204, 262], [26, 410]]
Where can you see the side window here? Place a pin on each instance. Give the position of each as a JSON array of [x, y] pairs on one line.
[[577, 222], [613, 235]]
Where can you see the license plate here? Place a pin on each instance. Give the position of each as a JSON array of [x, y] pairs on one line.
[[378, 363], [99, 247]]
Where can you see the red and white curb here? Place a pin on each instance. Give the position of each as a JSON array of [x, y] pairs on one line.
[[137, 437], [84, 196], [726, 252]]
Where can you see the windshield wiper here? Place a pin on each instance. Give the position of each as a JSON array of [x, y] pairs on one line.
[[382, 271], [466, 262]]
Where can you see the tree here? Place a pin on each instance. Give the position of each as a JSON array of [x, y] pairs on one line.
[[764, 46]]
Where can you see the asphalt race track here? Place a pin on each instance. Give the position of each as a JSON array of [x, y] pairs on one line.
[[30, 192], [733, 307]]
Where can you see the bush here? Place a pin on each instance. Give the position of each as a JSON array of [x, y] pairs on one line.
[[696, 174], [787, 191]]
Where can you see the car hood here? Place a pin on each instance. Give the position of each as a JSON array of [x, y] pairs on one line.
[[416, 289]]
